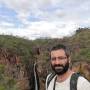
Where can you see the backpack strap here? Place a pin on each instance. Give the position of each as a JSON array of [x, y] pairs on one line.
[[51, 76], [73, 81]]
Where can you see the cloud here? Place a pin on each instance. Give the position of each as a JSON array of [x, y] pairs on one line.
[[43, 18], [6, 25], [42, 29], [49, 9]]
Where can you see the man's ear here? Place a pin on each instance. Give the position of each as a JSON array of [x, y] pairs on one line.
[[70, 63], [69, 58]]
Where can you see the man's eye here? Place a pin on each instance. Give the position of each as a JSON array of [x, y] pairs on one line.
[[53, 58], [59, 58], [62, 58]]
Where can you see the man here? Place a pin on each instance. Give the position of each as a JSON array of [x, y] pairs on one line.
[[60, 62]]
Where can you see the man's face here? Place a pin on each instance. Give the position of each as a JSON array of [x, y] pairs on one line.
[[59, 61]]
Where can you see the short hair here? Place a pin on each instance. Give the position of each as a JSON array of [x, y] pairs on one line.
[[61, 46]]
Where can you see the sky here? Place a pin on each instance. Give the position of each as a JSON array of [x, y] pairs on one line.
[[34, 19]]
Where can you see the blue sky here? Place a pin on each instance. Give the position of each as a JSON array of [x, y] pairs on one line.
[[43, 18]]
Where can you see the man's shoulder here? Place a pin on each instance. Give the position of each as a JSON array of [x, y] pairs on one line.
[[83, 79], [78, 82], [83, 83]]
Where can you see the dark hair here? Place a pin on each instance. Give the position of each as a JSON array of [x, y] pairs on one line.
[[61, 46]]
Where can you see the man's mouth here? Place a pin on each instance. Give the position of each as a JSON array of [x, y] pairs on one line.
[[58, 67]]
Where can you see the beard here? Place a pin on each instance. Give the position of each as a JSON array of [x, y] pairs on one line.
[[60, 69]]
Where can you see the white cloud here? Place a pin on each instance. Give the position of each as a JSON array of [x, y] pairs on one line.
[[6, 24], [43, 29]]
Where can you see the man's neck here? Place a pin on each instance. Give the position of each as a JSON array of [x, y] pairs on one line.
[[61, 78]]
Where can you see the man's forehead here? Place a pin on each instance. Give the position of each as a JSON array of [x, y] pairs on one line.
[[59, 51]]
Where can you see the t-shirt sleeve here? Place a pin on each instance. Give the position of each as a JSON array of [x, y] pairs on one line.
[[83, 84]]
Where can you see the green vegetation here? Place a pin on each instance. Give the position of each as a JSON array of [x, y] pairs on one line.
[[17, 46], [11, 47], [79, 44], [6, 83]]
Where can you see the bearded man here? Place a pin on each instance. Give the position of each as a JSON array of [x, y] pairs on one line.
[[61, 80]]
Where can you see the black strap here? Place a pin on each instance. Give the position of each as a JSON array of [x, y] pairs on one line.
[[73, 81]]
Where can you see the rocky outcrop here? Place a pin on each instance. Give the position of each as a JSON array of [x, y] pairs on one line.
[[12, 70], [82, 67]]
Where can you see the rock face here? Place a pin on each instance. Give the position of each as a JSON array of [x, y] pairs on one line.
[[83, 68], [14, 74]]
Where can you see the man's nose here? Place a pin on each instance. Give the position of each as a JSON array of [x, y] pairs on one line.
[[57, 61]]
